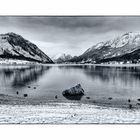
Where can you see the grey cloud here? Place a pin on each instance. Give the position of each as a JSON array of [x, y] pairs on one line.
[[73, 32]]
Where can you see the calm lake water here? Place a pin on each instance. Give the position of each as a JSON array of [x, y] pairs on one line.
[[48, 81]]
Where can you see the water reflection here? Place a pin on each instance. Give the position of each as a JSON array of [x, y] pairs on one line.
[[52, 80], [7, 73], [127, 75], [28, 75], [22, 76]]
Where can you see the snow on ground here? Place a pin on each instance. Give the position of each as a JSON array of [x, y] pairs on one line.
[[15, 62], [57, 113]]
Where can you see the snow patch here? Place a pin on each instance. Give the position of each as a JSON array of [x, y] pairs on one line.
[[66, 113]]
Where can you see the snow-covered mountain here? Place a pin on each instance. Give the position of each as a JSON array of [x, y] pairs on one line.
[[123, 48], [60, 58], [14, 46]]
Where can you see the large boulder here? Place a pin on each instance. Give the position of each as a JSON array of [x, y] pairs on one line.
[[77, 90]]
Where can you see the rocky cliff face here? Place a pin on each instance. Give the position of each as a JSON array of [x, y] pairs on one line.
[[14, 46], [123, 48]]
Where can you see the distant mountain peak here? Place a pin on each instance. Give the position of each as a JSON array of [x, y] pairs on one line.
[[61, 57], [12, 33]]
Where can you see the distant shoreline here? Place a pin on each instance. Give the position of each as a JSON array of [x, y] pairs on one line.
[[69, 64], [109, 65]]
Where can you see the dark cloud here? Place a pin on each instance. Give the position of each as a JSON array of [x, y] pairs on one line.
[[68, 34]]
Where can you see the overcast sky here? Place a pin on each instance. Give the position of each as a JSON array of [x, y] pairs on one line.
[[70, 35]]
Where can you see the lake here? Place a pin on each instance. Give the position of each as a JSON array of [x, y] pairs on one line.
[[45, 82]]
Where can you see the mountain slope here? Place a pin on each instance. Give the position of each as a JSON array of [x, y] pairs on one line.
[[60, 58], [16, 47], [124, 48]]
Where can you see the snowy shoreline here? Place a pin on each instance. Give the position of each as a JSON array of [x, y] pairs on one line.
[[21, 111], [66, 113]]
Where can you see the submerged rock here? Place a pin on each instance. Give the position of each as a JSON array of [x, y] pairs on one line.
[[77, 90]]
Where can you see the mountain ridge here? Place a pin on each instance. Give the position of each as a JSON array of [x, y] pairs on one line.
[[121, 48], [14, 46]]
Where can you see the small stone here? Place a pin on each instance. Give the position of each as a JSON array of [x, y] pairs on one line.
[[17, 92], [88, 97], [138, 99], [29, 87], [110, 98], [34, 87], [56, 97], [25, 95], [129, 100], [74, 114], [130, 106]]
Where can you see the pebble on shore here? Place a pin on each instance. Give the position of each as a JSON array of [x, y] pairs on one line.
[[130, 106], [25, 95], [129, 100]]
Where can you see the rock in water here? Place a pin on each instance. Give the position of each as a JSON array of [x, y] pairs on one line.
[[77, 90]]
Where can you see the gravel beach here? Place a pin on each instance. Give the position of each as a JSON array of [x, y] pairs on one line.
[[21, 111]]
